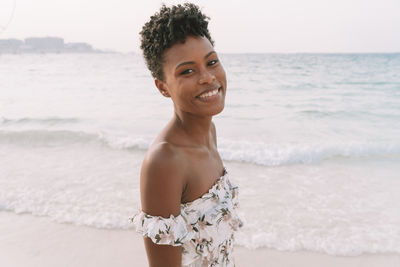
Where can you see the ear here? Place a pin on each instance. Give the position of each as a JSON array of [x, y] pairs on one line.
[[162, 87]]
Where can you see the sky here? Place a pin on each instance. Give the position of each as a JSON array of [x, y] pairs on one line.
[[251, 26]]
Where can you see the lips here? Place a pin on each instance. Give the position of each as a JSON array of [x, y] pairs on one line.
[[209, 90]]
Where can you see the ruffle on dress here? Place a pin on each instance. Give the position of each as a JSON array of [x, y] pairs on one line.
[[164, 231]]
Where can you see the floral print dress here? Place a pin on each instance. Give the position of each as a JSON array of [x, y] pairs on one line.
[[204, 228]]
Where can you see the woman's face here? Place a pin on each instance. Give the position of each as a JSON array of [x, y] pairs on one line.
[[190, 69]]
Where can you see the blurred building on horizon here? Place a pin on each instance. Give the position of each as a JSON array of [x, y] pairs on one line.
[[44, 45]]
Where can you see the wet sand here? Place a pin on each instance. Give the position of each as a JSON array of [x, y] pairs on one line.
[[30, 241]]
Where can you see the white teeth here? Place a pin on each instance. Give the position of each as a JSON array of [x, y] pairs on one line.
[[209, 94]]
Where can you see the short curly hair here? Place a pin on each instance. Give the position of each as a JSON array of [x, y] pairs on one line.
[[167, 27]]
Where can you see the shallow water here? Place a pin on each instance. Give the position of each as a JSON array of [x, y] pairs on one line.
[[313, 140]]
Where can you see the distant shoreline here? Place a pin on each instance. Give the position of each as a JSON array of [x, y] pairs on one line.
[[42, 45]]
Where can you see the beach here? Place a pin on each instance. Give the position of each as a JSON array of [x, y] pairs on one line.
[[29, 241], [311, 140]]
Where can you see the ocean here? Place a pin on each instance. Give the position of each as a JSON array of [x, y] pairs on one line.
[[312, 140]]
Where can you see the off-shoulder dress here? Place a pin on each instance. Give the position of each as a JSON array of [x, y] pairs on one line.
[[204, 228]]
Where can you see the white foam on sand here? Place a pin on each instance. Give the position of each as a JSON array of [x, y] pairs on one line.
[[339, 208], [27, 240]]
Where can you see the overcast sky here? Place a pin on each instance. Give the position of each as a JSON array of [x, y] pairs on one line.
[[236, 26]]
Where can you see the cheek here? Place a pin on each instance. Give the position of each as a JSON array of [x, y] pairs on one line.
[[221, 75], [186, 89]]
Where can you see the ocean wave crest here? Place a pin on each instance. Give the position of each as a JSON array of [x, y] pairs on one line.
[[43, 121], [268, 154], [301, 153], [64, 137]]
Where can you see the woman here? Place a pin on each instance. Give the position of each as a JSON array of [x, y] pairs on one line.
[[188, 214]]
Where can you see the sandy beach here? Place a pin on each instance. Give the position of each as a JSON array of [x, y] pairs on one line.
[[306, 120], [31, 241], [314, 153]]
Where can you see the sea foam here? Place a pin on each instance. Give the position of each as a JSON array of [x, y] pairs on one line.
[[274, 154]]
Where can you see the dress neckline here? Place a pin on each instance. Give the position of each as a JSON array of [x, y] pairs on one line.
[[225, 172]]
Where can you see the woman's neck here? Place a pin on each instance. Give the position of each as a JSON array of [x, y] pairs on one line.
[[196, 130]]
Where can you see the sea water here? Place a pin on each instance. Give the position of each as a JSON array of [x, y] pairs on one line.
[[312, 140]]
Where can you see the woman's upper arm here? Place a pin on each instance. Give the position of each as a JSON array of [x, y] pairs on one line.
[[161, 183]]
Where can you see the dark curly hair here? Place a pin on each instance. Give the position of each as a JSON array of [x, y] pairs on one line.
[[167, 27]]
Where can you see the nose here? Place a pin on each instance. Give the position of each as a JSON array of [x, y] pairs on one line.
[[206, 77]]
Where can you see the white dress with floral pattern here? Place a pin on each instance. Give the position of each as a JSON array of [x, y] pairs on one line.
[[204, 228]]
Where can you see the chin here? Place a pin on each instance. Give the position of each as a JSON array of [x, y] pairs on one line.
[[217, 110]]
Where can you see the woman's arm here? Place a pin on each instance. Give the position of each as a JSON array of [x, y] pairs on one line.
[[161, 183]]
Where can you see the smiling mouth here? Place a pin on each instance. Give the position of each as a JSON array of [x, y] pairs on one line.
[[209, 93]]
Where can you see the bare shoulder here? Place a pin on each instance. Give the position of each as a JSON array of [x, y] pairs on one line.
[[162, 180]]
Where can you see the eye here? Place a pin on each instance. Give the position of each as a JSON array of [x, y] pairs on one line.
[[186, 71], [212, 62]]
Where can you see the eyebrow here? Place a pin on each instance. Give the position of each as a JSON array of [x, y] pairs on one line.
[[192, 62]]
